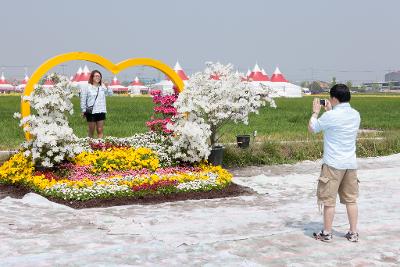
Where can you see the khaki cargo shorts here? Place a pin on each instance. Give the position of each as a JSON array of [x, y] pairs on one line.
[[333, 181]]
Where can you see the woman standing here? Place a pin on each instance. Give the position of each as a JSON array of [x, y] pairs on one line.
[[93, 104]]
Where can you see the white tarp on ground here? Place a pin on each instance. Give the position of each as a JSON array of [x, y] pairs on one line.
[[272, 228]]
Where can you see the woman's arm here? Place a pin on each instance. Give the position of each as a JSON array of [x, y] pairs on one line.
[[105, 86], [84, 96]]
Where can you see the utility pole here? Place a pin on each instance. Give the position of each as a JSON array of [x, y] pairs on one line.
[[63, 68], [312, 79]]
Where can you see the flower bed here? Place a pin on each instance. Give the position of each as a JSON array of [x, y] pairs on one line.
[[168, 160], [82, 178]]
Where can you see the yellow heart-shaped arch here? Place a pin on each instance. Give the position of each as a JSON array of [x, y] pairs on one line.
[[105, 63]]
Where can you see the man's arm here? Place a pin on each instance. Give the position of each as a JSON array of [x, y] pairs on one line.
[[316, 125], [312, 124]]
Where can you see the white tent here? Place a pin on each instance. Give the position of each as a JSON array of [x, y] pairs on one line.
[[166, 86], [282, 87], [83, 79], [5, 86], [21, 87], [117, 87], [285, 89], [278, 86], [248, 73], [48, 83], [136, 87], [75, 80]]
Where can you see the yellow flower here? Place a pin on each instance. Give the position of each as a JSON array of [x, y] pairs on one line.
[[119, 159]]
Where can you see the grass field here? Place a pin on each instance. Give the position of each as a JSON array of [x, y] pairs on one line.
[[127, 116]]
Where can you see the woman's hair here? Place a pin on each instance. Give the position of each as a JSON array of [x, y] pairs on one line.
[[92, 75]]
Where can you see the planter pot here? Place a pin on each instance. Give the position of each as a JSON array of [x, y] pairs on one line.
[[216, 156], [40, 168], [243, 141]]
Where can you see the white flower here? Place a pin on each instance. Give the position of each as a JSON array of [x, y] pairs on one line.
[[190, 140], [210, 104], [52, 136], [17, 115]]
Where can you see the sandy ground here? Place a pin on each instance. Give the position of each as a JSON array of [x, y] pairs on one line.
[[272, 228]]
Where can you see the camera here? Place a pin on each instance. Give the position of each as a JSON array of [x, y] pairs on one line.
[[322, 102]]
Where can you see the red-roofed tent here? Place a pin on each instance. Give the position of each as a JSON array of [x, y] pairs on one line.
[[277, 76], [178, 69], [5, 86], [117, 87], [136, 87]]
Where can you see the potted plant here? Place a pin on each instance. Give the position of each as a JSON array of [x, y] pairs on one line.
[[243, 141], [216, 155], [211, 99]]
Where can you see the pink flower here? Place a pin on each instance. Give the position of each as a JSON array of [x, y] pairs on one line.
[[164, 106]]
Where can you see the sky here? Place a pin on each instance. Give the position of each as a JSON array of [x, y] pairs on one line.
[[308, 40]]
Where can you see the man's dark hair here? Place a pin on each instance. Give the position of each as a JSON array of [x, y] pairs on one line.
[[341, 92]]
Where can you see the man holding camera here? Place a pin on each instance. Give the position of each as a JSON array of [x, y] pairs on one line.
[[339, 124]]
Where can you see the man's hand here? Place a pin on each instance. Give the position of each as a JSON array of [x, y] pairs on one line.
[[328, 105], [83, 115], [316, 109], [316, 106]]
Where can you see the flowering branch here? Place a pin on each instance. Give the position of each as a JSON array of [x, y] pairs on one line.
[[164, 107], [52, 138]]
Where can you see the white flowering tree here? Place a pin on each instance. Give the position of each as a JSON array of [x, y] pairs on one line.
[[212, 98], [189, 142], [52, 138]]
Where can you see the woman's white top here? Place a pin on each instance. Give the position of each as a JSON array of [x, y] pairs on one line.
[[88, 95]]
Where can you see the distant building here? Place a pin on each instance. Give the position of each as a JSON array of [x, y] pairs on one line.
[[383, 86], [325, 86], [392, 76], [391, 83]]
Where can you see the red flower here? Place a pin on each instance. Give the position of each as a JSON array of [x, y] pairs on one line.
[[155, 186], [104, 146]]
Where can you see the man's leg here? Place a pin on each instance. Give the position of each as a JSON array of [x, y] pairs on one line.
[[352, 214], [348, 193], [328, 184], [329, 214], [326, 234]]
